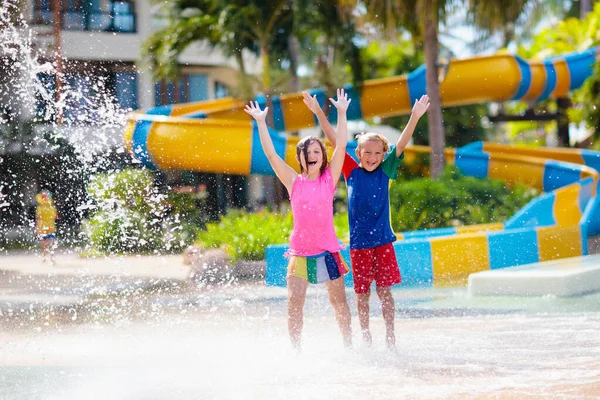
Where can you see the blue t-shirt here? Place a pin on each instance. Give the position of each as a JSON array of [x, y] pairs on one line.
[[369, 201]]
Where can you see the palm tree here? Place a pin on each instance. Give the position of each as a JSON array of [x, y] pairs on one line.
[[488, 16], [232, 25], [492, 17], [391, 15]]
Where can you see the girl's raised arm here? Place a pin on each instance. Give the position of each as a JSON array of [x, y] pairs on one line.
[[341, 134], [284, 172]]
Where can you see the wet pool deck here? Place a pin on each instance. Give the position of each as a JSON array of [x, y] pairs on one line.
[[26, 279], [138, 328]]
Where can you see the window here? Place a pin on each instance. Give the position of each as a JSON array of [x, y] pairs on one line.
[[189, 87], [89, 15], [221, 90]]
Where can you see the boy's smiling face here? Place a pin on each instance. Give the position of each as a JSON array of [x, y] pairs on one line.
[[371, 154]]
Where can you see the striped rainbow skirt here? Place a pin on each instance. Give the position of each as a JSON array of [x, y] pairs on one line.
[[318, 269]]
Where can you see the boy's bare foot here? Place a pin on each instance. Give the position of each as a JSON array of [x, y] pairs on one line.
[[367, 338], [391, 341]]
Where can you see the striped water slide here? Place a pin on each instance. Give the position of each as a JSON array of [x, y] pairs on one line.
[[218, 136]]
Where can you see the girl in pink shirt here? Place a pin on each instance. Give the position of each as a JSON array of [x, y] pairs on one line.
[[314, 247]]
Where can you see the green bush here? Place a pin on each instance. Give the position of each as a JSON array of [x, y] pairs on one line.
[[132, 216], [454, 200], [246, 236]]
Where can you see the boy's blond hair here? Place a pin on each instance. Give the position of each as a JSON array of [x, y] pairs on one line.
[[371, 137]]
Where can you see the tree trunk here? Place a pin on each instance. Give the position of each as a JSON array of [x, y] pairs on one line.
[[436, 129], [294, 53], [246, 89], [562, 121]]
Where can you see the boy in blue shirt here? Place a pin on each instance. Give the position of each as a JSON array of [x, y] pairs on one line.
[[371, 237]]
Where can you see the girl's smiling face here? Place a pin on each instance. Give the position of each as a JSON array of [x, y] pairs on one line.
[[314, 160]]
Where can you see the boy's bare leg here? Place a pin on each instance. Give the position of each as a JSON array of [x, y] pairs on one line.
[[362, 303], [296, 297], [388, 309], [337, 297]]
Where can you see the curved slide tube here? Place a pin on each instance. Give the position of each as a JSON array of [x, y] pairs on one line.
[[217, 136], [177, 136]]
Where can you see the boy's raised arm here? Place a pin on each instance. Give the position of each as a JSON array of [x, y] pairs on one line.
[[417, 112], [313, 105], [284, 172]]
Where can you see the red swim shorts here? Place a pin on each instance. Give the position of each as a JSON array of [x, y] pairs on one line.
[[378, 264]]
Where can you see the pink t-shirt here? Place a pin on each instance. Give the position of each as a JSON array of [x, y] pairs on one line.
[[312, 207]]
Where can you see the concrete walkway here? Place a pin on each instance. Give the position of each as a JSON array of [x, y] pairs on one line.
[[26, 280]]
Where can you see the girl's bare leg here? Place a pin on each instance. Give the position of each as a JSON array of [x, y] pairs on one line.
[[362, 303], [388, 309], [337, 297], [296, 297]]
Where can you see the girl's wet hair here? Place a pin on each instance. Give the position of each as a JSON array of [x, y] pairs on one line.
[[302, 147], [371, 137]]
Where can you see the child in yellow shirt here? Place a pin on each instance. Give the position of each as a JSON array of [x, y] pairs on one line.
[[45, 224]]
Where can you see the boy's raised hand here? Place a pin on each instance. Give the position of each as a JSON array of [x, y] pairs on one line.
[[255, 111], [421, 106], [342, 101], [311, 102]]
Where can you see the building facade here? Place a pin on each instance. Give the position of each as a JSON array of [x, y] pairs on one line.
[[94, 48]]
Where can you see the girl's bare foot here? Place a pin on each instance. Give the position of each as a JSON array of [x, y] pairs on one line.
[[367, 338]]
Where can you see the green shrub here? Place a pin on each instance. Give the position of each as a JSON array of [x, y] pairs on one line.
[[245, 236], [454, 200], [132, 216]]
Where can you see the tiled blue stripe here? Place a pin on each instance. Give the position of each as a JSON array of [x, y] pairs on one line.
[[355, 108], [591, 158], [428, 233], [585, 193], [475, 147], [525, 81], [510, 248], [581, 66], [278, 115], [472, 164], [276, 269], [415, 262], [348, 281], [550, 79], [558, 174], [538, 212], [139, 142], [416, 84], [259, 163], [584, 239], [160, 110], [591, 217]]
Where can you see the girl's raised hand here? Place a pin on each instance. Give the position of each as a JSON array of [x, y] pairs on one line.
[[255, 111], [421, 106], [342, 101], [311, 102]]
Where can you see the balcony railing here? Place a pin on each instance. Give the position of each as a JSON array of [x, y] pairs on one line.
[[118, 19]]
